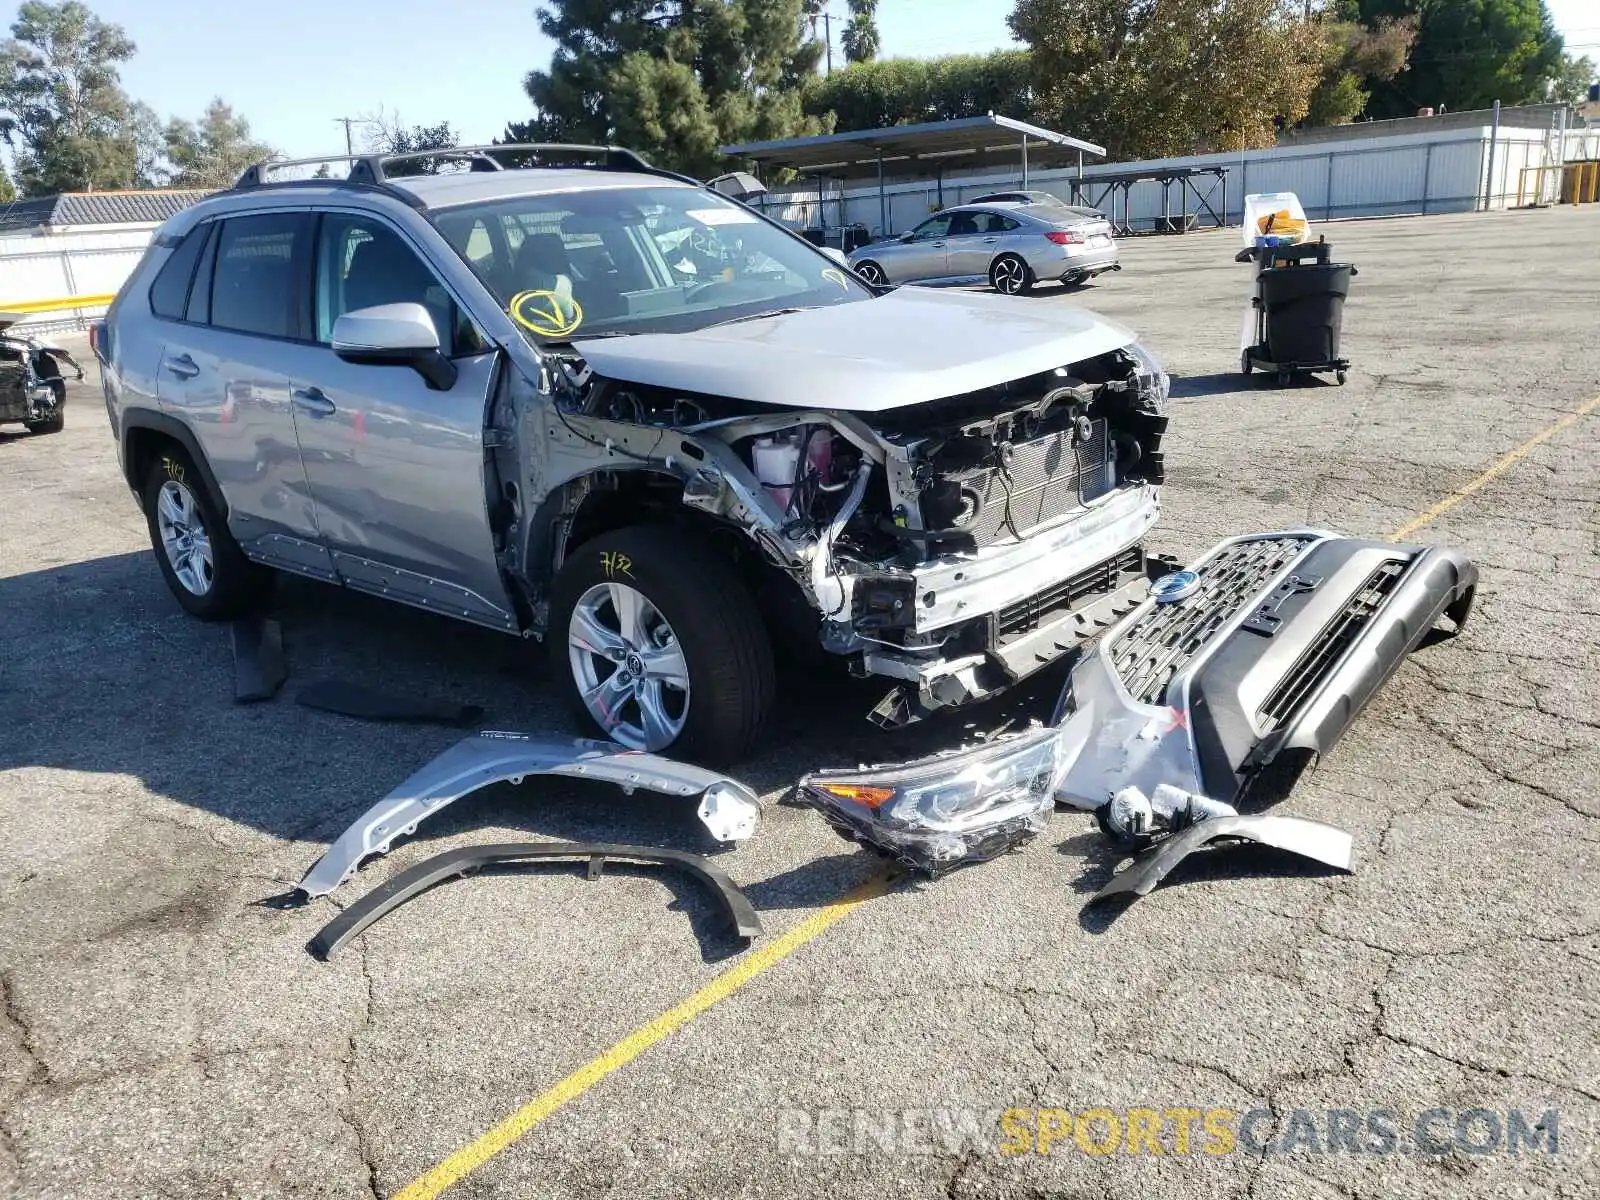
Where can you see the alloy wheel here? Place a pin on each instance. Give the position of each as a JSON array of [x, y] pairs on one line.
[[1009, 276], [630, 670], [184, 539]]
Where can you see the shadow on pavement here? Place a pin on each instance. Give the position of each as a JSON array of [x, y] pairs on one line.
[[101, 672]]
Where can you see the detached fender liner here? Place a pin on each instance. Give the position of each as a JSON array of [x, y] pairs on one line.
[[412, 882], [1321, 843]]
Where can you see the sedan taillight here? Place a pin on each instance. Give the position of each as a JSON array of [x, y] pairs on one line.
[[1065, 237]]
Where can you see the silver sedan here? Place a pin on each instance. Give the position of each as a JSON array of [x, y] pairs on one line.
[[1011, 245]]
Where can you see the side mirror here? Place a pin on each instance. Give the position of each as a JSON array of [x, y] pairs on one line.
[[394, 335], [908, 235], [837, 255]]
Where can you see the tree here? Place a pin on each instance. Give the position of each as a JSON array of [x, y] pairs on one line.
[[214, 151], [143, 132], [860, 38], [1355, 57], [387, 134], [1150, 78], [1571, 85], [1468, 54], [674, 79], [904, 91], [8, 192], [62, 107]]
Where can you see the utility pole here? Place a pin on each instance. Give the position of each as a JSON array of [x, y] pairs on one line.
[[349, 146], [827, 35]]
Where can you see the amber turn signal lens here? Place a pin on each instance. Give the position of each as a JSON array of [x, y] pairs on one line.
[[872, 797]]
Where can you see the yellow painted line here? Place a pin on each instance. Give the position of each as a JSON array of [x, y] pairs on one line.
[[59, 304], [1501, 466], [473, 1155]]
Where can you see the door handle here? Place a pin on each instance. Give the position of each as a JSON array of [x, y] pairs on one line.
[[989, 240], [183, 367], [940, 245], [312, 402]]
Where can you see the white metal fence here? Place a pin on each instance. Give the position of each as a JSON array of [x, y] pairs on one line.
[[1454, 170], [61, 266]]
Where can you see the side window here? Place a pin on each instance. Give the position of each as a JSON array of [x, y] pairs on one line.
[[963, 224], [170, 291], [997, 223], [936, 227], [361, 262], [199, 310], [252, 289]]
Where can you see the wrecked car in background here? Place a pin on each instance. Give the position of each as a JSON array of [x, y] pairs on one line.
[[33, 392], [494, 394]]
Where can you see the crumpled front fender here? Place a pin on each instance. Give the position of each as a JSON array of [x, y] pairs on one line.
[[729, 810]]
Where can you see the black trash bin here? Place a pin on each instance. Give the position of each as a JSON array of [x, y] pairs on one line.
[[1304, 308]]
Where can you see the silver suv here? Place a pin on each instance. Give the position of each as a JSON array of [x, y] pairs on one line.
[[564, 395]]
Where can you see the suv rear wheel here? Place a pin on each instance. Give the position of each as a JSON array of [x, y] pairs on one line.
[[202, 564], [661, 645]]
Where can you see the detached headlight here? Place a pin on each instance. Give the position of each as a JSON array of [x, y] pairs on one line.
[[942, 811], [1155, 387]]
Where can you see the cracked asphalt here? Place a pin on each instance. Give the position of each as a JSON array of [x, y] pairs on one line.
[[165, 1036]]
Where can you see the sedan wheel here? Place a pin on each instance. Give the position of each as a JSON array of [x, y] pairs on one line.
[[872, 273], [184, 538], [1010, 276], [631, 673]]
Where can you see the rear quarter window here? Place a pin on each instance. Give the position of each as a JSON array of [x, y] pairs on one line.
[[169, 294]]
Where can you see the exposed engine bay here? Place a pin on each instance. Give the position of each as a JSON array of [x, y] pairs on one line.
[[953, 546]]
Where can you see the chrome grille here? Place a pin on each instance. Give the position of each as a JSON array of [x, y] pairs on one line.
[[1045, 478], [1165, 637], [1324, 653]]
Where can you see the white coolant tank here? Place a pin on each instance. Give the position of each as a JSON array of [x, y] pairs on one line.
[[775, 461]]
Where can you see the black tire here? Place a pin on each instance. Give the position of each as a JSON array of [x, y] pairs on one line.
[[716, 622], [58, 422], [237, 584], [1003, 279]]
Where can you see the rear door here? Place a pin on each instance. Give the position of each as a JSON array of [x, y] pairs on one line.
[[397, 469], [971, 255], [222, 373]]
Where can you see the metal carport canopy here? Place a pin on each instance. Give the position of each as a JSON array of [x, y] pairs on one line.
[[930, 148]]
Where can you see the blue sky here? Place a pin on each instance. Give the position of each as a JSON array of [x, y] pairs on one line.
[[292, 66]]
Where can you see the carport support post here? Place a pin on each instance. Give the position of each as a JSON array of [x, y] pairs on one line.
[[1024, 162], [1488, 177], [822, 204], [883, 200]]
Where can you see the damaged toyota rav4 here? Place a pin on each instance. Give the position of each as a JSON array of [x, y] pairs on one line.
[[559, 393]]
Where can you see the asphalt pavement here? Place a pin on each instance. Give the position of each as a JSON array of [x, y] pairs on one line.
[[165, 1035]]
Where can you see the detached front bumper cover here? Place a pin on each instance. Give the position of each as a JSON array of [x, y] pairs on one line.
[[729, 810], [1263, 653]]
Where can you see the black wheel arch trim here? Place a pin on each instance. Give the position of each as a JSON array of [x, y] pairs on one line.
[[166, 426], [452, 864]]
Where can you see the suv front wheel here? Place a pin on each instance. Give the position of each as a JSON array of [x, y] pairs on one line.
[[661, 645], [202, 564]]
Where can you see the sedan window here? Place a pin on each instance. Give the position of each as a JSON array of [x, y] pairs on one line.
[[935, 227]]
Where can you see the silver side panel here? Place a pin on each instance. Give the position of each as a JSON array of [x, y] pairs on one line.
[[728, 809]]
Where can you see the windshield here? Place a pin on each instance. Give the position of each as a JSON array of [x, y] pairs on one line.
[[619, 260]]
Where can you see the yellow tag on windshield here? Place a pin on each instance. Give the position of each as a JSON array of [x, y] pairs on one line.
[[549, 314]]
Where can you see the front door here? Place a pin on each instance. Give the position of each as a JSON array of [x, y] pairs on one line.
[[923, 256], [397, 469]]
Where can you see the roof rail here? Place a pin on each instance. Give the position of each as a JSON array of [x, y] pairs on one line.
[[370, 170]]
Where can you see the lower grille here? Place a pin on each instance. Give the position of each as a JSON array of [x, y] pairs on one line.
[[1027, 615], [1165, 637], [1044, 478], [1320, 657]]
